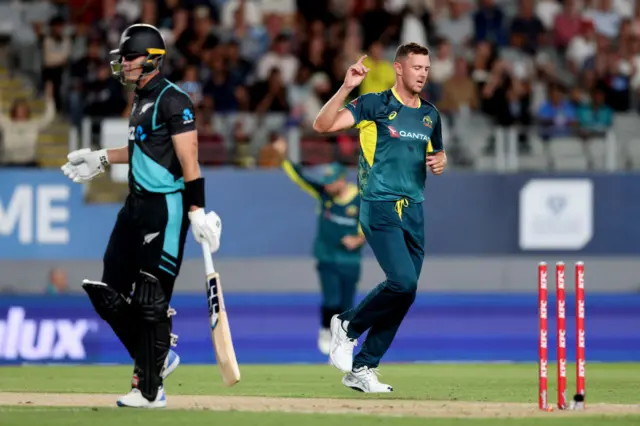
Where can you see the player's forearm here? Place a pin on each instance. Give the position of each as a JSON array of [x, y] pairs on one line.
[[118, 155], [329, 112], [192, 177]]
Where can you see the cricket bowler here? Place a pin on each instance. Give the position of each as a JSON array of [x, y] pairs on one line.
[[400, 137], [339, 239], [166, 195]]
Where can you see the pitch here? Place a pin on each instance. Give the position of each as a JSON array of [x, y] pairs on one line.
[[448, 394]]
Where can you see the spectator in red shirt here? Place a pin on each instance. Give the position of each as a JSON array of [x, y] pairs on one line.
[[567, 25]]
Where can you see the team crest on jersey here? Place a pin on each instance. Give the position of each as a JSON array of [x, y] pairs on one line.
[[392, 115], [427, 121], [351, 211], [393, 132], [327, 204]]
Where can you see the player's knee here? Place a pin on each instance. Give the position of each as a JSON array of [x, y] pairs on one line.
[[107, 302], [405, 282], [149, 299]]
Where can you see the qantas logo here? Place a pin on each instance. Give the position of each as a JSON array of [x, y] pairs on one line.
[[410, 135]]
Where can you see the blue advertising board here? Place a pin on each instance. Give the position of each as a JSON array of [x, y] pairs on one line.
[[43, 215], [282, 328]]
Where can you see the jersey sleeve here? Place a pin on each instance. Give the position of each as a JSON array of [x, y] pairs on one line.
[[297, 175], [364, 108], [435, 142], [178, 112]]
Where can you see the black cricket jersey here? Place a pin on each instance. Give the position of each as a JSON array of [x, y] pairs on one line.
[[160, 110]]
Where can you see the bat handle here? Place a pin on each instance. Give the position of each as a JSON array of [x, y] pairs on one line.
[[208, 261]]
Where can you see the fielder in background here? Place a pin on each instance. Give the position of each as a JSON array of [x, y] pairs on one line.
[[339, 239], [166, 195], [400, 138]]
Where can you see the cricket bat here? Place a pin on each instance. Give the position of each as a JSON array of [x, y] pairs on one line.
[[220, 331]]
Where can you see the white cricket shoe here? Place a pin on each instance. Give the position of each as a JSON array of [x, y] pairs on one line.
[[134, 399], [171, 362], [324, 341], [341, 351], [365, 379]]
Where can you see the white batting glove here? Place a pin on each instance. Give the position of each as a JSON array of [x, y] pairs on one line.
[[84, 164], [206, 227]]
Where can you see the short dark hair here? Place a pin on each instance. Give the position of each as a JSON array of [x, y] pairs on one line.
[[407, 49]]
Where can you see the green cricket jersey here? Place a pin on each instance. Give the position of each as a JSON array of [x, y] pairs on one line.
[[394, 141], [336, 218]]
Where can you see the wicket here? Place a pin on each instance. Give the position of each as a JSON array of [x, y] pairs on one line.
[[561, 336]]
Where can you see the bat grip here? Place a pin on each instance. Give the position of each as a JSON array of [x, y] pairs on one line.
[[208, 261]]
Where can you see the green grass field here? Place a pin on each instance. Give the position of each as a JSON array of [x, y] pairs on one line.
[[450, 394]]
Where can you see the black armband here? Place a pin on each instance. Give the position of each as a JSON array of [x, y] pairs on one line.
[[194, 192]]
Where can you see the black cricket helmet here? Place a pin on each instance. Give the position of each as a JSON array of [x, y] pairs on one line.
[[136, 41]]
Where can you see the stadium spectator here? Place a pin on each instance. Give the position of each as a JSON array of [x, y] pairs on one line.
[[320, 93], [547, 11], [489, 23], [104, 96], [269, 157], [83, 73], [270, 95], [376, 23], [442, 68], [56, 50], [20, 130], [582, 46], [251, 37], [279, 57], [58, 282], [381, 75], [457, 27], [605, 19], [595, 118], [459, 93], [221, 92], [567, 25], [527, 31], [618, 82], [557, 116], [412, 28], [190, 83]]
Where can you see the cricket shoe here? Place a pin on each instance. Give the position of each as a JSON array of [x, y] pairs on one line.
[[134, 399], [171, 362], [365, 379], [341, 352], [324, 341]]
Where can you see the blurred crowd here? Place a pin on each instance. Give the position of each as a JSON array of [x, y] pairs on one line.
[[566, 67]]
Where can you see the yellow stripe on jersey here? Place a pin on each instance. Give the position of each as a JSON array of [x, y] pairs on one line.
[[297, 179], [429, 146], [368, 139], [393, 90]]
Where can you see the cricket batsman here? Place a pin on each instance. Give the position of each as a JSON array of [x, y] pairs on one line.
[[166, 195], [338, 241], [400, 138]]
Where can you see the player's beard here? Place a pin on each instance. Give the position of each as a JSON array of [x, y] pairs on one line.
[[411, 87]]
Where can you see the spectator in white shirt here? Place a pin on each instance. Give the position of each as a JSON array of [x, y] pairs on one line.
[[582, 46], [20, 131], [605, 19], [279, 57]]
